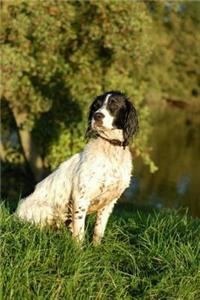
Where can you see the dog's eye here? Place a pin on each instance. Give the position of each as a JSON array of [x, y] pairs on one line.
[[113, 105]]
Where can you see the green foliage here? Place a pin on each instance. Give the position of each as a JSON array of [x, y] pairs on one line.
[[57, 56], [173, 72], [154, 256]]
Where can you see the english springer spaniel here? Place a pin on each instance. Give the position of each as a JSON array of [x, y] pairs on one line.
[[92, 180]]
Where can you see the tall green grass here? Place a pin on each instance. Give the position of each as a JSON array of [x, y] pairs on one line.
[[143, 256]]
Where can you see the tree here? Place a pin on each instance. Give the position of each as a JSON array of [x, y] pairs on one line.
[[173, 72], [56, 57]]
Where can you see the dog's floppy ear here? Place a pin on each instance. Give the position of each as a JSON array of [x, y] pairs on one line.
[[130, 125]]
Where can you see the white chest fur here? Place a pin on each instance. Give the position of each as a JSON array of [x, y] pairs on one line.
[[104, 171]]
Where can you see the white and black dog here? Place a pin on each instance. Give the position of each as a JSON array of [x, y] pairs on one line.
[[92, 180]]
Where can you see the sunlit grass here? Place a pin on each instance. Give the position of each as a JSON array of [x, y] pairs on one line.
[[143, 256]]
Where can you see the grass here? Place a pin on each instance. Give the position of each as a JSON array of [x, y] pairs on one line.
[[143, 256]]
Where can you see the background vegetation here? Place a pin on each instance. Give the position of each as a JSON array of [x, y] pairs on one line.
[[57, 56]]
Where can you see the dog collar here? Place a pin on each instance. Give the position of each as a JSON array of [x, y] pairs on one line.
[[114, 142]]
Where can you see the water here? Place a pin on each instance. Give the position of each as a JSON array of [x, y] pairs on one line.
[[176, 151]]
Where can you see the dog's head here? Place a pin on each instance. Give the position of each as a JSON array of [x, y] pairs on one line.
[[113, 116]]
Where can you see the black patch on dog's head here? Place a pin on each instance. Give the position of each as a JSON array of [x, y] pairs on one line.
[[96, 104], [125, 116], [123, 112]]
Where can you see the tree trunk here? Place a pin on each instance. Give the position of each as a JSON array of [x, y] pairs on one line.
[[31, 155]]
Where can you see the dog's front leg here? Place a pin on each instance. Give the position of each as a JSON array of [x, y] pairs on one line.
[[80, 208], [101, 221]]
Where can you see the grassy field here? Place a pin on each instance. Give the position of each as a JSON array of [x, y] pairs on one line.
[[143, 256]]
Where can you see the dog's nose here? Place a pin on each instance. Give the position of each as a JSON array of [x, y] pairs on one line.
[[98, 116]]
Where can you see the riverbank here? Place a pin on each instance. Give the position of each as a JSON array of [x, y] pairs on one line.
[[143, 256]]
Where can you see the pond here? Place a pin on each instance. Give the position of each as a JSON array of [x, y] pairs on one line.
[[176, 151]]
